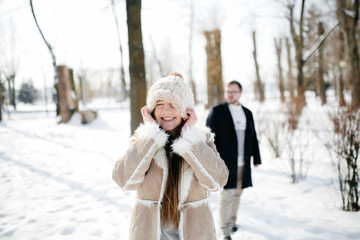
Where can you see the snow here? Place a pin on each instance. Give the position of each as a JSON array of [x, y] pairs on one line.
[[55, 181]]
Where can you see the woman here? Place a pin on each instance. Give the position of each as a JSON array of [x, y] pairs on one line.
[[173, 165]]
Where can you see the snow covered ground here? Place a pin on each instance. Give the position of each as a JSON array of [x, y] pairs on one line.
[[55, 183]]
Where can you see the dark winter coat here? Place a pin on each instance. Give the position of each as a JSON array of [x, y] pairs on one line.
[[221, 123]]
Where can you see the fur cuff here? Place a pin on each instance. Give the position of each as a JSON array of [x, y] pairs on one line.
[[151, 130], [189, 136]]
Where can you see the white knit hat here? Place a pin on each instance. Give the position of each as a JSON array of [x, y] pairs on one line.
[[174, 90]]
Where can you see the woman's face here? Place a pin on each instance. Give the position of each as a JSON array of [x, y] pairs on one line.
[[166, 115]]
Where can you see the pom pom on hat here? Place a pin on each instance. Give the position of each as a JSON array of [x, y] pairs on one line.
[[173, 89]]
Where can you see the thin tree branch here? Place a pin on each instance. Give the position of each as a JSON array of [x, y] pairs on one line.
[[43, 37], [308, 54], [157, 60]]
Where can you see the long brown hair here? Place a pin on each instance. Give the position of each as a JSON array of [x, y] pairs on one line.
[[170, 212]]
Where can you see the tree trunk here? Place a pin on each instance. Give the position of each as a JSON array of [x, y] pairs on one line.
[[278, 47], [73, 90], [298, 40], [210, 84], [290, 77], [299, 47], [348, 15], [67, 103], [13, 95], [1, 99], [341, 64], [123, 93], [218, 68], [321, 83], [215, 84], [11, 89], [136, 60], [300, 76], [259, 84], [191, 78], [83, 88]]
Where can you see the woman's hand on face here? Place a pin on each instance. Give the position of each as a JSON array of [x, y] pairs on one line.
[[192, 119], [146, 114]]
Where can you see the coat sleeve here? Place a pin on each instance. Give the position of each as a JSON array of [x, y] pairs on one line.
[[197, 147], [255, 144], [129, 171], [211, 121]]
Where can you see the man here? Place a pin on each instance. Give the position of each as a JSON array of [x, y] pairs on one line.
[[236, 141]]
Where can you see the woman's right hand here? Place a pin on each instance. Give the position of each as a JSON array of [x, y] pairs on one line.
[[146, 114]]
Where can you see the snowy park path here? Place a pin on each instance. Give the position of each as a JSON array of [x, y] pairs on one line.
[[55, 183]]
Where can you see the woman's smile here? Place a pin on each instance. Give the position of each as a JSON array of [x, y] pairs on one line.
[[167, 119], [166, 115]]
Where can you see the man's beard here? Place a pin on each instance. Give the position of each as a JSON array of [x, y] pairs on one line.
[[234, 102]]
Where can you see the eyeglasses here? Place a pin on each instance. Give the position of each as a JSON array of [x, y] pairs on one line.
[[232, 92]]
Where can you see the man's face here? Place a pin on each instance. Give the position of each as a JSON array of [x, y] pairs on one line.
[[232, 94]]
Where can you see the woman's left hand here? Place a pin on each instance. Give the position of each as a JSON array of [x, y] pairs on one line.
[[191, 120]]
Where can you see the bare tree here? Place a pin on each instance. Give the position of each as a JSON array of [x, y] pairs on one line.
[[10, 78], [278, 48], [316, 36], [334, 64], [191, 80], [341, 66], [348, 16], [259, 84], [123, 93], [296, 146], [82, 80], [301, 58], [274, 132], [137, 66], [157, 60], [2, 97], [53, 57], [345, 143], [214, 68], [298, 40], [290, 76], [9, 61], [321, 83], [2, 88]]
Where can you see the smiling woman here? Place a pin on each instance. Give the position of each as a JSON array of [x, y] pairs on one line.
[[173, 165], [167, 116]]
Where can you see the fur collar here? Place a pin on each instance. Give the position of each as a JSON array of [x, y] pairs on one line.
[[187, 175]]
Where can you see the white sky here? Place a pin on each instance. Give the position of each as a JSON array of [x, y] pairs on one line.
[[83, 34]]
